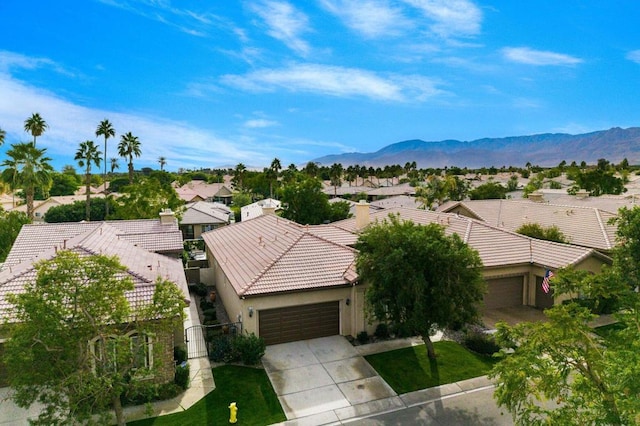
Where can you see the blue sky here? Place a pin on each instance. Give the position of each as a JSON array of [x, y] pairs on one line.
[[215, 83]]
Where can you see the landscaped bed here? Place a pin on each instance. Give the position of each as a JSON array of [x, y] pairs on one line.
[[248, 387], [409, 369]]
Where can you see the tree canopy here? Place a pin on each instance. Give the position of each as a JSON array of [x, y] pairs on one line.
[[535, 230], [564, 372], [146, 199], [418, 277], [10, 225], [71, 348], [305, 201], [487, 191]]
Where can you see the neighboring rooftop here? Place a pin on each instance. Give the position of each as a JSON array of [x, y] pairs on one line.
[[583, 226]]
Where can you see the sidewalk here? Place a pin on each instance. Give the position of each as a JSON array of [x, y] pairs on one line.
[[394, 403]]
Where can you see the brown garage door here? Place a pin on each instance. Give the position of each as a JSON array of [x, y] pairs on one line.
[[504, 292], [299, 322]]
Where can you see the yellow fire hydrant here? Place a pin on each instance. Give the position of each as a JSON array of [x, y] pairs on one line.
[[233, 413]]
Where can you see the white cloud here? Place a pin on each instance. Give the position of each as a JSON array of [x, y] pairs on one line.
[[285, 23], [259, 123], [451, 17], [371, 18], [182, 144], [634, 56], [335, 81], [526, 55]]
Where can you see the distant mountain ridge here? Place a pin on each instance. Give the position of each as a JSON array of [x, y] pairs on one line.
[[547, 149]]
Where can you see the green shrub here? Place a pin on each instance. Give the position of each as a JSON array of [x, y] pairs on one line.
[[179, 354], [182, 376], [363, 337], [201, 289], [382, 331], [481, 343], [221, 349], [209, 313], [205, 304], [168, 391], [401, 330], [250, 348]]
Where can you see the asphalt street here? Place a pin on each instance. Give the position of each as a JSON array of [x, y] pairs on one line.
[[469, 408]]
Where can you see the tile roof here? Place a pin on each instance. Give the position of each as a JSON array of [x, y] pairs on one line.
[[148, 234], [583, 226], [202, 189], [496, 246], [269, 254], [203, 212], [142, 266]]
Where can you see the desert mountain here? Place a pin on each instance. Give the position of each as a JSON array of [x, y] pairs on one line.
[[547, 149]]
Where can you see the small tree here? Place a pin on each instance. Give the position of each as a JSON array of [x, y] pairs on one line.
[[10, 226], [419, 277], [591, 378], [536, 230], [305, 201], [146, 199], [68, 348]]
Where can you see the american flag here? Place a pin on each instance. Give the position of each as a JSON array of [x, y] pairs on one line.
[[545, 282]]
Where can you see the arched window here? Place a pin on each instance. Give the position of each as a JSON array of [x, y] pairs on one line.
[[133, 351]]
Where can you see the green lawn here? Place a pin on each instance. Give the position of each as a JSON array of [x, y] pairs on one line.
[[248, 387], [409, 369]]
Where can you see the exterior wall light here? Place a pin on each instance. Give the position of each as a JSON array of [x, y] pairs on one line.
[[250, 311], [348, 301]]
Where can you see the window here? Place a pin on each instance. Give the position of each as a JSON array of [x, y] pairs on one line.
[[134, 348], [206, 228]]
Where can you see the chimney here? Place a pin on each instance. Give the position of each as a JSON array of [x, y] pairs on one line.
[[167, 217], [362, 214], [536, 197], [269, 207], [582, 193]]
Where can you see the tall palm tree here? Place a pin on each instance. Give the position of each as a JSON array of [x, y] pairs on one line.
[[163, 162], [105, 128], [128, 147], [86, 154], [273, 173], [35, 125], [26, 167], [2, 135], [238, 175]]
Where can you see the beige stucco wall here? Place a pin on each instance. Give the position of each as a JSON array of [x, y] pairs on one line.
[[351, 321]]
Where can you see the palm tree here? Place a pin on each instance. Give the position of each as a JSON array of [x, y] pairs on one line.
[[27, 167], [128, 147], [114, 165], [273, 173], [163, 162], [2, 135], [238, 175], [105, 128], [86, 154], [35, 125]]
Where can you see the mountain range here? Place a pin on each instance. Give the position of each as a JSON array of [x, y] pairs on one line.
[[546, 150]]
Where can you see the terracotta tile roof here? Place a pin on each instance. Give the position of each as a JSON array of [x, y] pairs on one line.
[[142, 266], [203, 212], [202, 189], [148, 234], [397, 201], [496, 246], [583, 226], [269, 254], [402, 189]]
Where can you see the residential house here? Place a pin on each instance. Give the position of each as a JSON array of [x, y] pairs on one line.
[[198, 190], [41, 207], [138, 245], [288, 282], [584, 226], [259, 208], [202, 216]]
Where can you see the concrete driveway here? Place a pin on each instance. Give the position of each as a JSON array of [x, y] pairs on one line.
[[325, 380], [512, 315]]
